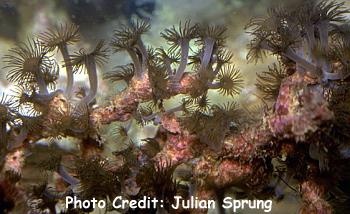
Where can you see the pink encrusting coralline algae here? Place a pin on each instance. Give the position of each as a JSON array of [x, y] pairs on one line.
[[300, 108]]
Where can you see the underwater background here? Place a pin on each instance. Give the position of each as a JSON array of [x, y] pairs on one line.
[[98, 19]]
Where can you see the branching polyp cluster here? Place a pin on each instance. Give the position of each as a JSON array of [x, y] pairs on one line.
[[301, 35]]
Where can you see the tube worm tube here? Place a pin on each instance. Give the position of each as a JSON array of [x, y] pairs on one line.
[[289, 53], [185, 46], [325, 65], [208, 50], [69, 69], [92, 73], [137, 63], [43, 99], [215, 85], [300, 52], [141, 47], [310, 41], [323, 31], [66, 176]]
